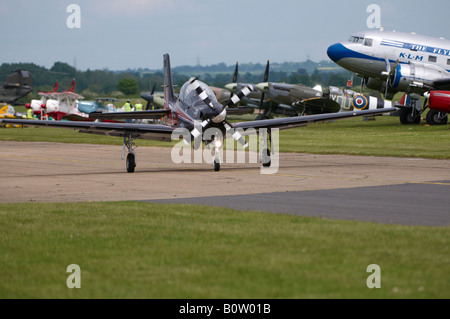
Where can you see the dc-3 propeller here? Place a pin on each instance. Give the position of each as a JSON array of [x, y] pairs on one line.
[[218, 116], [389, 74]]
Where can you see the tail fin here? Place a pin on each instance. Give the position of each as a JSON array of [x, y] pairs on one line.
[[169, 96]]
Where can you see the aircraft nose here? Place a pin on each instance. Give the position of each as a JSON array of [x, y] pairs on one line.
[[263, 87], [232, 87], [336, 52]]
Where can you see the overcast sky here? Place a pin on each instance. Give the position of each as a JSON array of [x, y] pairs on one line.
[[117, 34]]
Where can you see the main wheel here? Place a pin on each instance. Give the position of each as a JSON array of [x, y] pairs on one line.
[[265, 160], [436, 118], [216, 166], [408, 117], [131, 162]]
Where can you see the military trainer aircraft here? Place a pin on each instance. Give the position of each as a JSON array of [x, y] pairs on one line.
[[195, 110]]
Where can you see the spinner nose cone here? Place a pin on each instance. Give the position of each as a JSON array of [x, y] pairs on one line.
[[263, 87], [232, 87], [336, 52]]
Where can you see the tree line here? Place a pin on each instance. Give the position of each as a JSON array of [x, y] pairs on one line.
[[96, 83]]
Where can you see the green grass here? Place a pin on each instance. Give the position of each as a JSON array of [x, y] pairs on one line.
[[144, 250], [384, 136]]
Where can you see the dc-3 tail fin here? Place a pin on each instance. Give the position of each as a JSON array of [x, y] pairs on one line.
[[169, 96]]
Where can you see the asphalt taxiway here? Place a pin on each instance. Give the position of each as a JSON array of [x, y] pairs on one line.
[[409, 191]]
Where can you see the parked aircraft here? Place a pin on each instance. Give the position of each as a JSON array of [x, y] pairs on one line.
[[294, 100], [392, 62], [8, 112], [16, 85], [58, 105], [98, 105], [195, 110]]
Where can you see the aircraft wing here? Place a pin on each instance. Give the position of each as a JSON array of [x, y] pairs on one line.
[[150, 114], [142, 131], [297, 121], [319, 105], [442, 84], [238, 110]]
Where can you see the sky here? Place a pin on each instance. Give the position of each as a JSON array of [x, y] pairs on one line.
[[118, 35]]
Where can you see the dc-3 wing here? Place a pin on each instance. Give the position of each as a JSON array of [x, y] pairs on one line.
[[150, 114], [297, 121]]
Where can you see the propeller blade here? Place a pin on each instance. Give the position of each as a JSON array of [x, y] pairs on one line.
[[390, 72], [236, 97], [235, 73], [236, 135], [266, 73], [205, 124], [153, 89]]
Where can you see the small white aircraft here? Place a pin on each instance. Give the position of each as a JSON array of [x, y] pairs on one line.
[[392, 62]]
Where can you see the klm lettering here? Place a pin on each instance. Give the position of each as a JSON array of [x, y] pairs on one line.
[[410, 56]]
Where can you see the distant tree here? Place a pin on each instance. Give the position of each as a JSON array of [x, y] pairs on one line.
[[128, 86], [64, 68]]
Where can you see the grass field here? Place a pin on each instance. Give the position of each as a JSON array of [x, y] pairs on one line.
[[143, 250]]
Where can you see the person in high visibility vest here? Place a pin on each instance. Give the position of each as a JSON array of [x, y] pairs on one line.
[[138, 107], [128, 108], [30, 113]]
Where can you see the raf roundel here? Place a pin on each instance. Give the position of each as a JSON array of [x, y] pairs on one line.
[[359, 102]]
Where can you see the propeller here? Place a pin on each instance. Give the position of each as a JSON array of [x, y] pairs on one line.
[[232, 87], [389, 73], [221, 117], [149, 97], [263, 87]]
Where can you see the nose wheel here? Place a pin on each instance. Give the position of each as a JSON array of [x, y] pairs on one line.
[[216, 165]]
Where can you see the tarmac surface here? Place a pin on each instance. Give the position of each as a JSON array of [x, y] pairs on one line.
[[408, 191]]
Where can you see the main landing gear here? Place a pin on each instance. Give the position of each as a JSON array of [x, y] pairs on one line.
[[265, 153], [131, 157]]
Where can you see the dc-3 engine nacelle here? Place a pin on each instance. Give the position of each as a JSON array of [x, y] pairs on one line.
[[379, 85], [439, 100], [415, 76], [373, 84]]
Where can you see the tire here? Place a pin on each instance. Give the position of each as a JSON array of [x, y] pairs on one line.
[[216, 166], [265, 160], [407, 118], [131, 163], [435, 118]]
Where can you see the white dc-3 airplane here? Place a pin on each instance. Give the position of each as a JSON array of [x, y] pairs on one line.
[[392, 62]]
